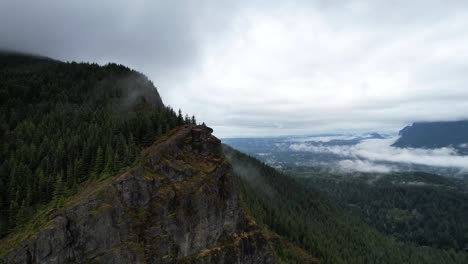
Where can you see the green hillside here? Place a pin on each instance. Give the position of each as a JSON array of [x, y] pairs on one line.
[[62, 124], [316, 223], [422, 208]]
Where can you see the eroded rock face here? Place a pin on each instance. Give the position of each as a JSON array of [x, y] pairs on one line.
[[179, 206]]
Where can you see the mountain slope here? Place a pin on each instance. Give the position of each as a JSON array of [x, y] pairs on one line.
[[309, 220], [421, 208], [95, 169], [63, 124], [178, 205], [435, 135]]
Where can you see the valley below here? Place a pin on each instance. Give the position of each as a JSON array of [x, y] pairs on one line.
[[406, 200], [351, 153]]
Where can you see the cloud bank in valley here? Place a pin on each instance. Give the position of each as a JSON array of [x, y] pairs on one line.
[[363, 166], [369, 154], [325, 138]]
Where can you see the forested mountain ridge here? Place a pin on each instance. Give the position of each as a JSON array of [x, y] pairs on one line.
[[421, 208], [435, 135], [63, 124]]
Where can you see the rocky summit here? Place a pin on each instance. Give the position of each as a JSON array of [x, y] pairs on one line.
[[178, 205]]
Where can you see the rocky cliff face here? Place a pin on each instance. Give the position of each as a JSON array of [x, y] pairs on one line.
[[179, 205]]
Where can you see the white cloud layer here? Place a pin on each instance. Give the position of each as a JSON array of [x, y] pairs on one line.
[[269, 67], [363, 166], [323, 139], [366, 155]]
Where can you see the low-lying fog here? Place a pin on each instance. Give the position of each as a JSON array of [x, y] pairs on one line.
[[368, 155], [351, 153]]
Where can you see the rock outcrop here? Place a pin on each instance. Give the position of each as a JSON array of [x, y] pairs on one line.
[[179, 205]]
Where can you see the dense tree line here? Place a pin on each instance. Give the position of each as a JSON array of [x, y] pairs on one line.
[[423, 208], [62, 124], [286, 206]]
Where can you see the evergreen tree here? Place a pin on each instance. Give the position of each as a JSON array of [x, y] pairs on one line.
[[22, 214], [180, 118], [98, 162], [109, 161], [132, 149], [193, 120], [59, 191]]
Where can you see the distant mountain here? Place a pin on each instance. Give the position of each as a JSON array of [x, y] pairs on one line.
[[435, 135]]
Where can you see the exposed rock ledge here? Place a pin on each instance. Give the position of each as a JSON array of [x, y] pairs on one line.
[[179, 206]]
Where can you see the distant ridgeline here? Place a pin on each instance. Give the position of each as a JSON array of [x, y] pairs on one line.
[[62, 124], [435, 135]]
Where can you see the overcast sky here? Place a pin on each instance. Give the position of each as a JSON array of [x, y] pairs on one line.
[[268, 67]]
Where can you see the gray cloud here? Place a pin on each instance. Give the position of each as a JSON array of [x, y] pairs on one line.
[[142, 33], [269, 67]]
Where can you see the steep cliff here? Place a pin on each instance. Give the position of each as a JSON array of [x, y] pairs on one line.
[[179, 205]]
